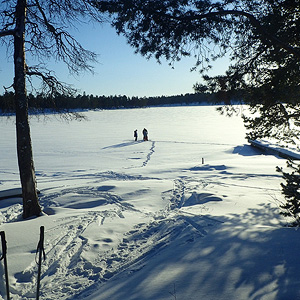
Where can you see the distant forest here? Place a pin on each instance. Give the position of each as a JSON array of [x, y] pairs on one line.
[[61, 102]]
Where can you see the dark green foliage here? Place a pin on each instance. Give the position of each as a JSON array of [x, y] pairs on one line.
[[278, 121], [63, 103], [291, 191], [266, 70]]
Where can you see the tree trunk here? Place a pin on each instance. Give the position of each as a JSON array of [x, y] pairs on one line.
[[31, 205]]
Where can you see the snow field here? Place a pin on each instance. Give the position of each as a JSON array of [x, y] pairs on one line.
[[149, 220]]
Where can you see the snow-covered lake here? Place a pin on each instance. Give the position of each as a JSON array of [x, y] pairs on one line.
[[190, 214]]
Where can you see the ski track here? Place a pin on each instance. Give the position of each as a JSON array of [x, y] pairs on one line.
[[74, 277], [151, 151]]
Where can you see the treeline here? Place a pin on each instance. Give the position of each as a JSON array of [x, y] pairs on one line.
[[61, 102]]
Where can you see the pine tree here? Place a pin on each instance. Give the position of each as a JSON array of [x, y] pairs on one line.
[[291, 191]]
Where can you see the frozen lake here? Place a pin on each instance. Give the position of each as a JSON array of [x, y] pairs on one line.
[[107, 134]]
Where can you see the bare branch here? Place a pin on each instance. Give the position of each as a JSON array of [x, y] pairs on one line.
[[49, 37], [50, 82], [7, 32]]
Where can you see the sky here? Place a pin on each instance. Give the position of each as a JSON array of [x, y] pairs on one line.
[[119, 70]]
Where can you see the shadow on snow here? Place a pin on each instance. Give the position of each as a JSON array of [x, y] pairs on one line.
[[235, 259]]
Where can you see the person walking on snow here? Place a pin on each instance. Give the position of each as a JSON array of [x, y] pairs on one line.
[[145, 134], [135, 134]]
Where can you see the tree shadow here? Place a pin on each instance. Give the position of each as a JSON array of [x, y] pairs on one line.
[[200, 198], [248, 150], [208, 167], [236, 259], [121, 145]]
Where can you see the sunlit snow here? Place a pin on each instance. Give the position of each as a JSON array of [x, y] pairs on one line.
[[190, 214]]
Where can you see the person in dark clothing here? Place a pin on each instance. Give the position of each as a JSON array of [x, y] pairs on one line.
[[145, 134], [135, 134]]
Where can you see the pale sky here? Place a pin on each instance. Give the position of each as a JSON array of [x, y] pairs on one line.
[[119, 71]]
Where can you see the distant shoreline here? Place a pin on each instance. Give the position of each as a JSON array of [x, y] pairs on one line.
[[60, 103]]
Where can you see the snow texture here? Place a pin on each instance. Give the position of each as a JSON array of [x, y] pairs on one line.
[[190, 214]]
